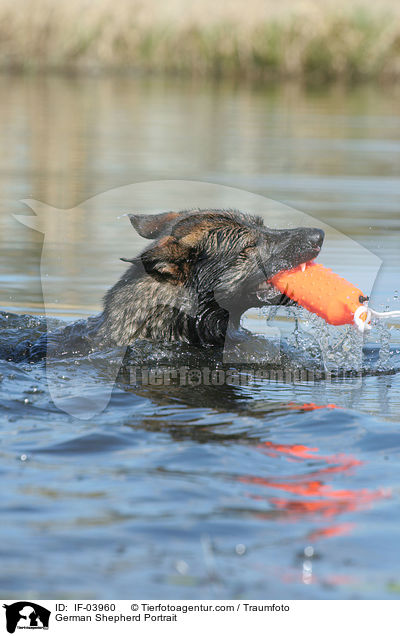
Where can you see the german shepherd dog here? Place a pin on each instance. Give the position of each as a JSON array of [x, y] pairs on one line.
[[202, 271]]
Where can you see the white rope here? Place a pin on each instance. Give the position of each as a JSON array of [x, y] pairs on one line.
[[363, 314], [385, 314], [361, 324]]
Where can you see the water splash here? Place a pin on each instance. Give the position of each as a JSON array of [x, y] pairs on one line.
[[338, 349], [384, 334]]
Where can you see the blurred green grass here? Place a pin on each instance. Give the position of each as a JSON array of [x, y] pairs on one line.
[[257, 39]]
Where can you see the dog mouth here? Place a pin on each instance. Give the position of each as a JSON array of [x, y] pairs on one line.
[[267, 293], [294, 251]]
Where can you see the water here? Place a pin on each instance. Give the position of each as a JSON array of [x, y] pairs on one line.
[[210, 491]]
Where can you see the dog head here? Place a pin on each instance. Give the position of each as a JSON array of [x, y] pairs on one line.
[[224, 252]]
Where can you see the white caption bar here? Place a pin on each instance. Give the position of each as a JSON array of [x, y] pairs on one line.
[[177, 617]]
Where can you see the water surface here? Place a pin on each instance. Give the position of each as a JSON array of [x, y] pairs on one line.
[[209, 491]]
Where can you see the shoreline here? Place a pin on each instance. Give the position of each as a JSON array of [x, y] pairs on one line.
[[315, 41]]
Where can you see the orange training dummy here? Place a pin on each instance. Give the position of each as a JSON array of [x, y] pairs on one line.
[[324, 293]]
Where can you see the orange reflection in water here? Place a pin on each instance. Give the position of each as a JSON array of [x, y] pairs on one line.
[[330, 531], [311, 406], [312, 494]]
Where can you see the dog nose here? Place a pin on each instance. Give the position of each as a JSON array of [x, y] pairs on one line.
[[316, 237]]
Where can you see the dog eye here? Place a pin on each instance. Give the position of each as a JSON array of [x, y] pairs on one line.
[[249, 248], [247, 251]]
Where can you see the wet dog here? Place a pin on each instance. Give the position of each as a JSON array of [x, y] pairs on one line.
[[201, 272]]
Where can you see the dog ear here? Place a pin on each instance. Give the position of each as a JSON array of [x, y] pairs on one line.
[[168, 260], [153, 226]]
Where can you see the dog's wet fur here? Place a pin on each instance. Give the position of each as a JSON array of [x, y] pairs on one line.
[[201, 272]]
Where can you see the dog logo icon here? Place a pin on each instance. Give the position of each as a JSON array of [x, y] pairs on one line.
[[26, 615]]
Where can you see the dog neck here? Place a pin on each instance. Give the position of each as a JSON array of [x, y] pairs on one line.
[[141, 307]]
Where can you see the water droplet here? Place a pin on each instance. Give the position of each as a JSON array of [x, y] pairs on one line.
[[182, 567]]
